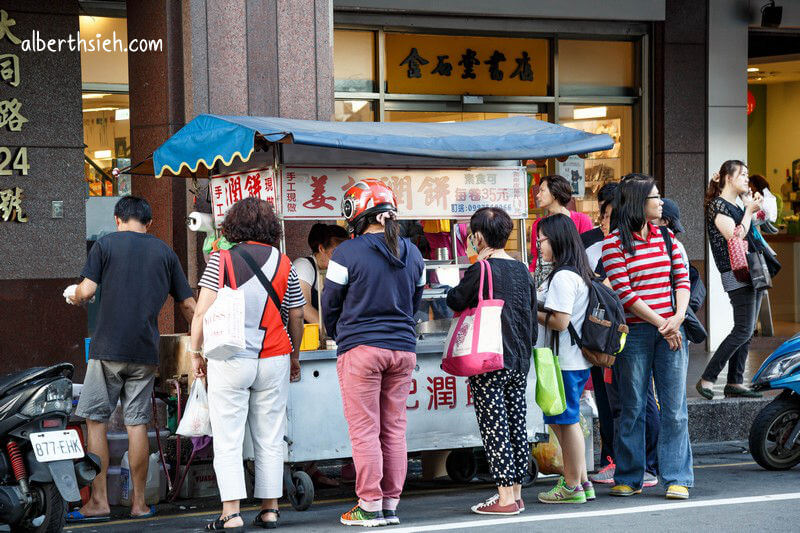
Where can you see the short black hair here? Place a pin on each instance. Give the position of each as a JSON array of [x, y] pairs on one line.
[[336, 235], [317, 236], [494, 224], [605, 195], [133, 207], [560, 188]]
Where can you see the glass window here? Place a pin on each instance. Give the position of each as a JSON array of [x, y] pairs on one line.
[[107, 136], [100, 66], [452, 116], [595, 68], [354, 61], [599, 167], [354, 111]]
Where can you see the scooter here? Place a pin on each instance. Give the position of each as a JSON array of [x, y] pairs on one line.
[[775, 433], [42, 463]]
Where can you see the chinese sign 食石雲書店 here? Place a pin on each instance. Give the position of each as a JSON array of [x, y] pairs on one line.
[[446, 64]]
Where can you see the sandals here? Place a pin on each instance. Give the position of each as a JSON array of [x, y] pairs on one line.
[[267, 524], [219, 523]]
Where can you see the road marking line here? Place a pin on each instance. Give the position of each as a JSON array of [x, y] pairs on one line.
[[726, 464], [605, 512]]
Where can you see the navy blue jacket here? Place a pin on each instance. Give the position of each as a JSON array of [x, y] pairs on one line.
[[370, 295]]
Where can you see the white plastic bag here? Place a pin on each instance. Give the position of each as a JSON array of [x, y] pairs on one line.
[[196, 421], [223, 323]]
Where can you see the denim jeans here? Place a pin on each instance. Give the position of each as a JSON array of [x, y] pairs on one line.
[[734, 348], [608, 409], [646, 353]]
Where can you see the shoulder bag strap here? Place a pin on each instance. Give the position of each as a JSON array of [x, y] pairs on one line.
[[668, 243], [480, 285], [226, 266], [273, 295], [576, 339]]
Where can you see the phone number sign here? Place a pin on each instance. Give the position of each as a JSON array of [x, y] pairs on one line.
[[315, 193]]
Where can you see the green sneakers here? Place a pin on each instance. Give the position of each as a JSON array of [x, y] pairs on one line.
[[561, 493], [359, 517], [588, 489]]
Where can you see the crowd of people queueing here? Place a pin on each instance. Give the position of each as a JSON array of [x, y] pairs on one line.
[[374, 278]]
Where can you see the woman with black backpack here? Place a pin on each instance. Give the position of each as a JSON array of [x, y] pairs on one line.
[[565, 297]]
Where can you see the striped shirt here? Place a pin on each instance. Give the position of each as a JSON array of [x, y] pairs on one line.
[[644, 275]]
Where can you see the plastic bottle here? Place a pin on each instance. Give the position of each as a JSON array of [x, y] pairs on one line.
[[587, 426], [152, 492]]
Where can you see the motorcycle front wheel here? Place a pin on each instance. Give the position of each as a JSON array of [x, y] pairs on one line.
[[49, 512], [770, 431]]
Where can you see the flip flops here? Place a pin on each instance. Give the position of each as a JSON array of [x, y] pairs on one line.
[[76, 517], [149, 514]]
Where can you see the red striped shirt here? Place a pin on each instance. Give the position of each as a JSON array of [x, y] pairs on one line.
[[645, 274]]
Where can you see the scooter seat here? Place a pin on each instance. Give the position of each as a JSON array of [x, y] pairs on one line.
[[10, 381]]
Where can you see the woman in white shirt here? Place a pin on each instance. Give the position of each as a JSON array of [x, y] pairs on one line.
[[563, 297], [323, 240]]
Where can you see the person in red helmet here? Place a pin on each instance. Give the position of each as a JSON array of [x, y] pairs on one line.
[[373, 285]]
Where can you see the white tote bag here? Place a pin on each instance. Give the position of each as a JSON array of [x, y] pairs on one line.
[[223, 323], [196, 421]]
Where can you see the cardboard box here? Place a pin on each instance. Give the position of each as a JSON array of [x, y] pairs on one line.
[[200, 482]]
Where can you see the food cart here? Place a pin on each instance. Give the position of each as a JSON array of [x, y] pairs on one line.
[[438, 171]]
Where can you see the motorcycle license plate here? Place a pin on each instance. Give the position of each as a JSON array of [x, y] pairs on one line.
[[56, 445]]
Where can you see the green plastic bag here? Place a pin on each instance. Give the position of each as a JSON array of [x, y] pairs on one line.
[[549, 383]]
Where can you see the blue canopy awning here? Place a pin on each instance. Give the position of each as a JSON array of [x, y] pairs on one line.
[[211, 138]]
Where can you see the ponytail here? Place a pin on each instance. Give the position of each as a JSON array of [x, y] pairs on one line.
[[720, 179], [391, 229]]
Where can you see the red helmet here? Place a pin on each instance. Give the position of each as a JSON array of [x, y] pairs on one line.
[[367, 197]]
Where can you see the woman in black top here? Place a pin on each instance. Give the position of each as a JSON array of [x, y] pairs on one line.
[[722, 218], [499, 396]]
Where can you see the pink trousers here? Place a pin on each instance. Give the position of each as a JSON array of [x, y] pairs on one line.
[[375, 384]]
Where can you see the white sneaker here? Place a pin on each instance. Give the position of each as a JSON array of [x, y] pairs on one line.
[[649, 480]]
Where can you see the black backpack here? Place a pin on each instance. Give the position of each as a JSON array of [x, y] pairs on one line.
[[604, 329]]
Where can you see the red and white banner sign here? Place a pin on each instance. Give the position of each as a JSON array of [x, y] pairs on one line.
[[228, 189], [312, 193]]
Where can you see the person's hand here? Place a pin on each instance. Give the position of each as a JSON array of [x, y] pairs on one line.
[[294, 372], [753, 203], [671, 326], [199, 366], [69, 295], [674, 341]]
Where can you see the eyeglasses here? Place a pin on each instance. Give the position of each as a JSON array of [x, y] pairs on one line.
[[654, 197], [540, 241]]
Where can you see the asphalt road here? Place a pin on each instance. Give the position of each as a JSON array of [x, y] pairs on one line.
[[731, 494]]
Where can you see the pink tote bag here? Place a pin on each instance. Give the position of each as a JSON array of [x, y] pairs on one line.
[[474, 343]]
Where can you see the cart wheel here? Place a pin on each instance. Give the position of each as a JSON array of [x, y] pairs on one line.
[[461, 465], [303, 496], [533, 473]]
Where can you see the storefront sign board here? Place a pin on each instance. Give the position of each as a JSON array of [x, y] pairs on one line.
[[228, 189], [452, 64], [312, 193]]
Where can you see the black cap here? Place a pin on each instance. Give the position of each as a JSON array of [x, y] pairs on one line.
[[671, 211]]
